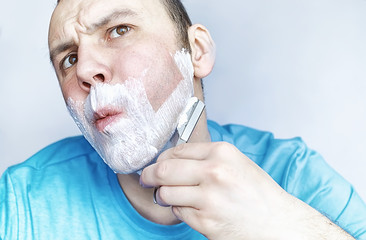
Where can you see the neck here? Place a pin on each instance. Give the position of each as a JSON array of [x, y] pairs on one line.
[[142, 198]]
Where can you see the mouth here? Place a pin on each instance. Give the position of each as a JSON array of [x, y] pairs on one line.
[[105, 117]]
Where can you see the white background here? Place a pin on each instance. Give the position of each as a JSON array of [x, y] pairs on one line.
[[296, 68]]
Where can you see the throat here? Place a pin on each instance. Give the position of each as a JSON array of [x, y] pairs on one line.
[[142, 200]]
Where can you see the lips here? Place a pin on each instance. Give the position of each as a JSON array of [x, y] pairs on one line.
[[105, 117]]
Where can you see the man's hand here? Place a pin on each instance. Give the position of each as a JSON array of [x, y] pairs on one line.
[[221, 193]]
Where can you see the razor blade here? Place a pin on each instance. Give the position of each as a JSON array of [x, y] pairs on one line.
[[193, 113]]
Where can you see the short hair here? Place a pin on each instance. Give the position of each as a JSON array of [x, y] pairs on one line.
[[179, 16]]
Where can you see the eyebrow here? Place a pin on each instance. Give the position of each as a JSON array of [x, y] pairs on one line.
[[100, 23]]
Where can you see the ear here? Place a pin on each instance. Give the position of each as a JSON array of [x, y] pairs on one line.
[[203, 50]]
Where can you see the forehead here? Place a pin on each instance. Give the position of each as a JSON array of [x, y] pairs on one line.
[[72, 16], [90, 7]]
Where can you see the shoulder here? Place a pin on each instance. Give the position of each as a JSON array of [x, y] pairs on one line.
[[288, 161], [271, 154], [59, 152]]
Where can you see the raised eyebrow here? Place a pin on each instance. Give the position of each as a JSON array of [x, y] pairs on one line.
[[100, 23], [107, 19]]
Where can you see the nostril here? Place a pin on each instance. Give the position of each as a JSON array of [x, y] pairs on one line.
[[99, 77], [87, 85]]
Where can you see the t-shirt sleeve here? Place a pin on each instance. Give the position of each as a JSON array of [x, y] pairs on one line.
[[313, 181], [8, 209]]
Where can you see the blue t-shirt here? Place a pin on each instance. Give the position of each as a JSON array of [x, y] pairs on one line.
[[65, 191]]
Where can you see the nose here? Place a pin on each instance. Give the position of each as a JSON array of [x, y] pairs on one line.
[[92, 67]]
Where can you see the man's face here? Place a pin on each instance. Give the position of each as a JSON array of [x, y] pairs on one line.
[[112, 41], [131, 46]]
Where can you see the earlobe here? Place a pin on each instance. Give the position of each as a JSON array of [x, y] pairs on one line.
[[203, 50]]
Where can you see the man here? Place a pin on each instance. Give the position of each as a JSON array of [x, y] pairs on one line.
[[127, 69]]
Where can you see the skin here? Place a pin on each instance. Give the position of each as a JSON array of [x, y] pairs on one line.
[[103, 55], [212, 187]]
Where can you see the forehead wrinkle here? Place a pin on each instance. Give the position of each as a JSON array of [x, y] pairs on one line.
[[118, 14]]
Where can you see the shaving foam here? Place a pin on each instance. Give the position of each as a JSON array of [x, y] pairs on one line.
[[134, 140]]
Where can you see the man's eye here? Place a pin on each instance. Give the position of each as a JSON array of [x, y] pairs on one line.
[[69, 61], [118, 31]]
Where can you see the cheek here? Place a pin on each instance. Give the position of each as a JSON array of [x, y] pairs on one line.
[[161, 81], [71, 89], [155, 66]]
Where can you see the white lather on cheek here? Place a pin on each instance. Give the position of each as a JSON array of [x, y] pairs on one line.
[[134, 140], [129, 142]]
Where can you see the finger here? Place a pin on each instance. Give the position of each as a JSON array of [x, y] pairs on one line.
[[187, 196], [189, 215], [172, 172], [197, 151]]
